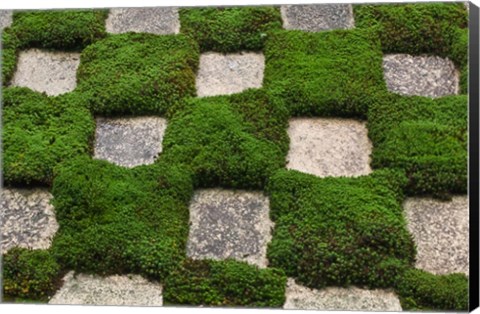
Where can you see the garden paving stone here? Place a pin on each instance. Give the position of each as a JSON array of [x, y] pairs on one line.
[[27, 219], [159, 21], [440, 230], [319, 17], [129, 142], [329, 147], [229, 224], [45, 71], [221, 74], [339, 299], [429, 76], [132, 290], [5, 19]]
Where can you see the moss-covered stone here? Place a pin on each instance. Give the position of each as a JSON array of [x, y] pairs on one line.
[[230, 29]]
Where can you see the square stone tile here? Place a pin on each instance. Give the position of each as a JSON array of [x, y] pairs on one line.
[[5, 19], [317, 17], [329, 147], [428, 76], [129, 142], [344, 299], [45, 71], [229, 224], [27, 219], [159, 21], [221, 74], [441, 232], [132, 290]]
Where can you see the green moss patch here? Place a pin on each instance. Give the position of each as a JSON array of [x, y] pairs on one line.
[[426, 138], [9, 46], [225, 283], [334, 73], [39, 132], [420, 290], [138, 73], [210, 136], [339, 231], [29, 274], [230, 29]]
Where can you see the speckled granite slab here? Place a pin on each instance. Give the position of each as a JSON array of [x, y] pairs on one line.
[[317, 17], [229, 224], [340, 299], [130, 290], [45, 71], [129, 142], [428, 76], [5, 19], [159, 21], [440, 230], [221, 74], [329, 147], [27, 219]]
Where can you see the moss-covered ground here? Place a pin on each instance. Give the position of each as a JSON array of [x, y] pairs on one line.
[[328, 231]]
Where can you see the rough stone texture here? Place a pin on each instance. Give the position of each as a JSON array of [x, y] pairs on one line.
[[131, 290], [5, 19], [440, 230], [340, 299], [44, 71], [428, 76], [229, 224], [329, 147], [27, 219], [317, 17], [221, 74], [129, 142], [159, 21]]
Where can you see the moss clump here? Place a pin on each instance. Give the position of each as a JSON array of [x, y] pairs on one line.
[[59, 29], [335, 73], [225, 283], [230, 29], [29, 274], [40, 132], [138, 73], [115, 220], [420, 290], [339, 231], [427, 138], [212, 139], [9, 46]]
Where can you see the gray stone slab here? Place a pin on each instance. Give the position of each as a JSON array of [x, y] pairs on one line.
[[159, 21], [317, 17], [27, 219], [44, 71], [329, 147], [229, 224], [221, 74], [345, 299], [131, 290], [5, 19], [441, 233], [129, 142], [428, 76]]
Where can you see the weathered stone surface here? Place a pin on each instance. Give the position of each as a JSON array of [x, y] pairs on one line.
[[329, 147], [27, 219], [5, 19], [159, 21], [221, 74], [130, 290], [343, 299], [428, 76], [317, 17], [44, 71], [229, 224], [440, 230], [129, 142]]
